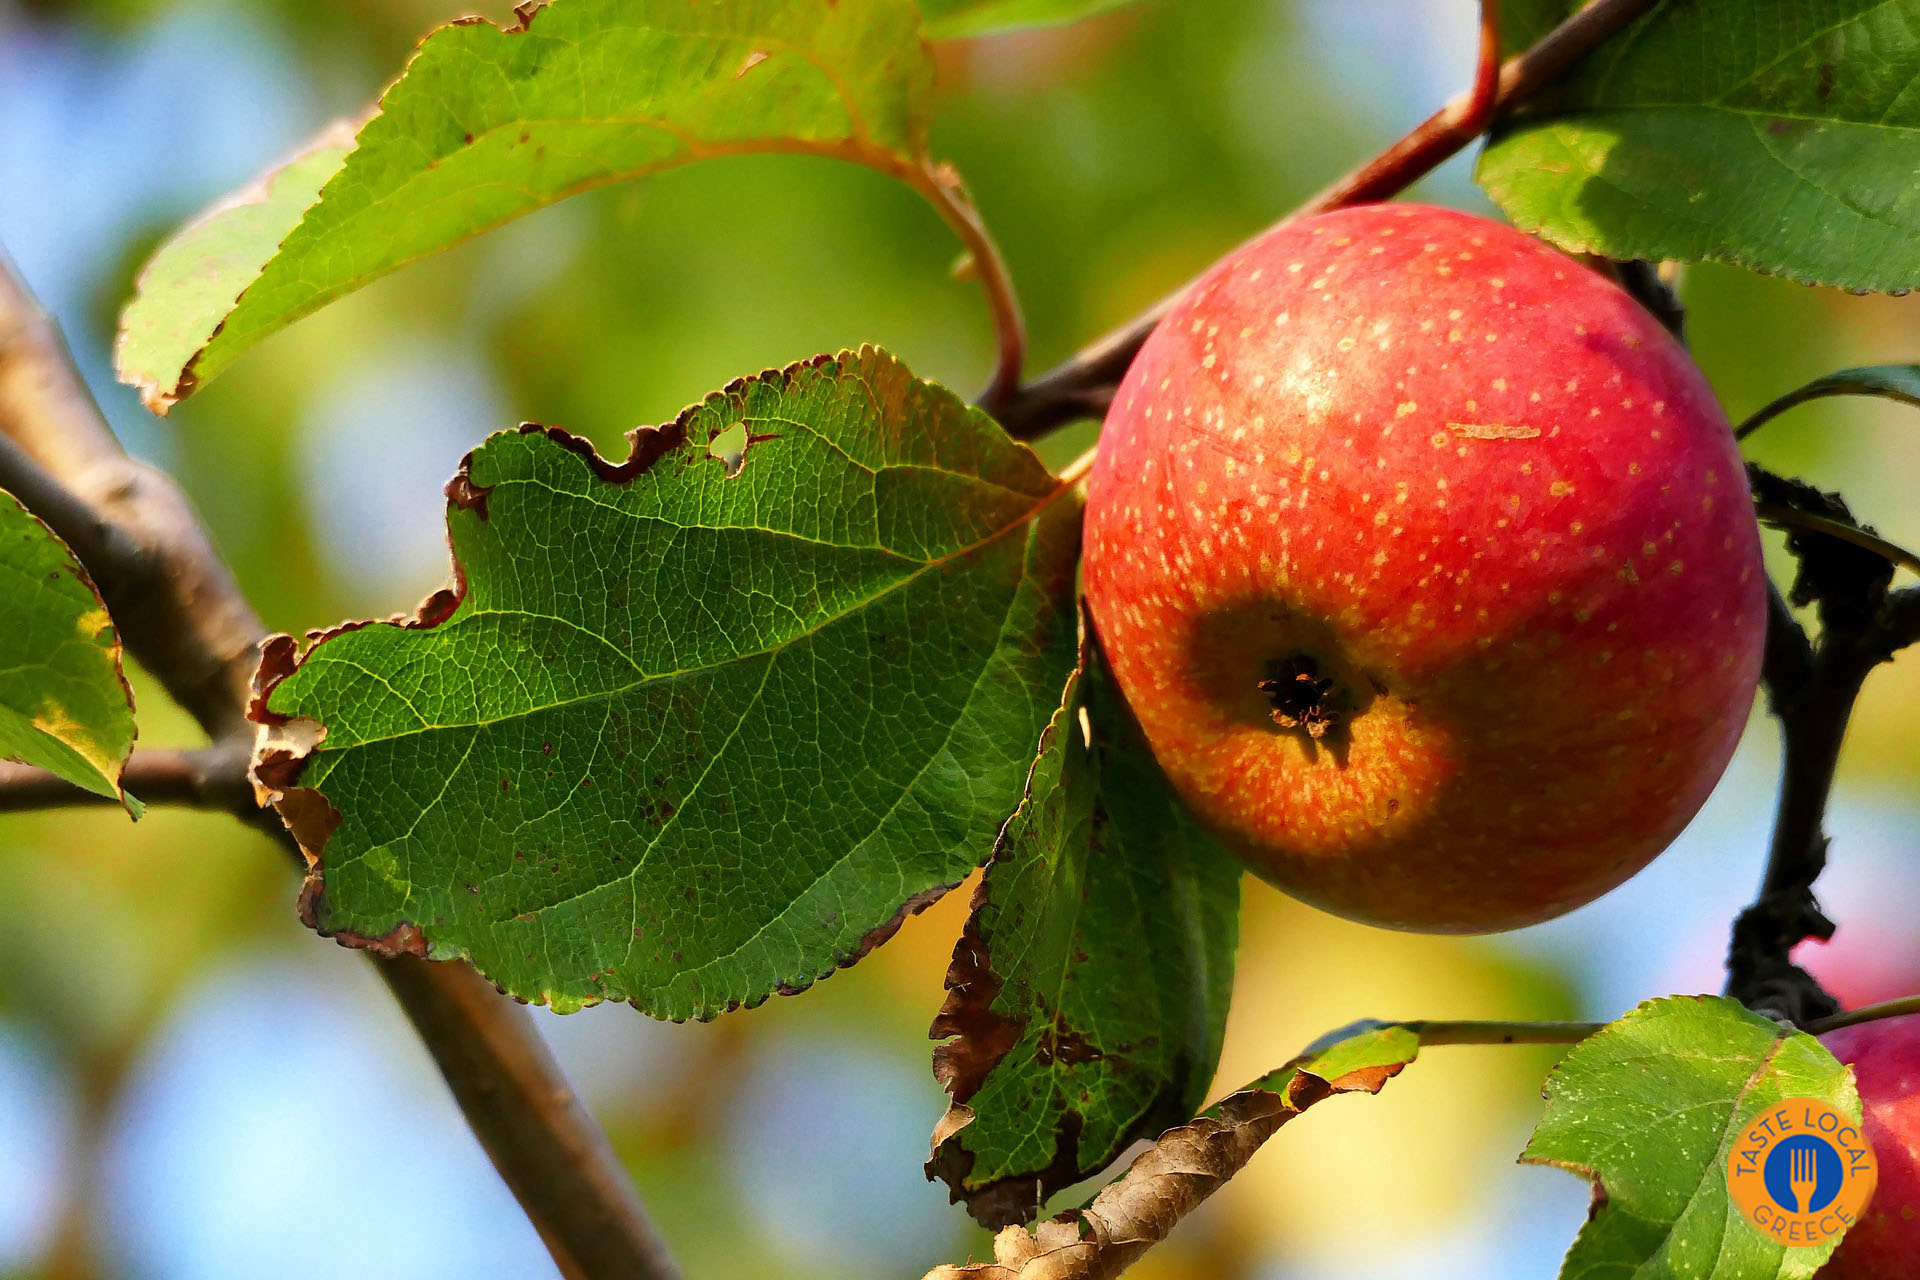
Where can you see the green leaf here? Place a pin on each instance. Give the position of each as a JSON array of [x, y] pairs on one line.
[[1089, 991], [1648, 1107], [1524, 22], [487, 124], [64, 704], [1889, 381], [1702, 132], [960, 19], [702, 726]]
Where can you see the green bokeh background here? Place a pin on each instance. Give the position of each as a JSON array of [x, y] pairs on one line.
[[1113, 160]]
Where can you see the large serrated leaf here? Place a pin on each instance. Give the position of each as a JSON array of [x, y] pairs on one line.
[[702, 726], [958, 19], [1781, 137], [1648, 1107], [64, 704], [487, 124], [1089, 991]]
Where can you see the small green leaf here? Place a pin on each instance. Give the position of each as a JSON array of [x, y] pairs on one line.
[[1703, 132], [960, 19], [1089, 991], [64, 704], [1647, 1109], [698, 727], [1889, 381], [488, 124]]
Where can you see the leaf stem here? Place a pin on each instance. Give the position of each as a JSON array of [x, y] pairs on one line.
[[1891, 382], [1083, 385], [1866, 1013], [181, 613], [1787, 517], [1489, 1033], [942, 188], [1076, 471]]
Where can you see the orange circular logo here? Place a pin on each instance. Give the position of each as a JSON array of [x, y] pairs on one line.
[[1801, 1172]]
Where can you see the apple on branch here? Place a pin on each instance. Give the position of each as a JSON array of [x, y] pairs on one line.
[[1425, 558]]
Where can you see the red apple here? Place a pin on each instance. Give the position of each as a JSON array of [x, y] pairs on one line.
[[1424, 556], [1885, 1057]]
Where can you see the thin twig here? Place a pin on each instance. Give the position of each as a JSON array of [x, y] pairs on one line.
[[1484, 97], [1083, 385], [1867, 1013], [943, 189], [213, 777], [179, 610], [1433, 1033], [1076, 471]]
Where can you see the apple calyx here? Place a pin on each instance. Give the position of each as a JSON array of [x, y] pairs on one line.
[[1302, 698]]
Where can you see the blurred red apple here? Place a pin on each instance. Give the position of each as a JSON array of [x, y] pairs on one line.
[[1885, 1057], [1424, 556]]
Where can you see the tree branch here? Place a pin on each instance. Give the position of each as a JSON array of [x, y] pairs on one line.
[[180, 612], [1652, 285], [1083, 385], [566, 1174], [213, 777], [176, 605], [1811, 689]]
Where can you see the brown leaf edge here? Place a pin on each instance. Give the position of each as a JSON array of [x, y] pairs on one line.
[[285, 745], [1182, 1169], [976, 1038]]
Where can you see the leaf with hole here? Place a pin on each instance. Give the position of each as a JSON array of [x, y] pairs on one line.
[[64, 703], [1648, 1109], [487, 124], [1089, 990], [701, 726], [1783, 142]]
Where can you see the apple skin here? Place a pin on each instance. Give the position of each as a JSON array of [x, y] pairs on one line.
[[1482, 491], [1885, 1057]]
